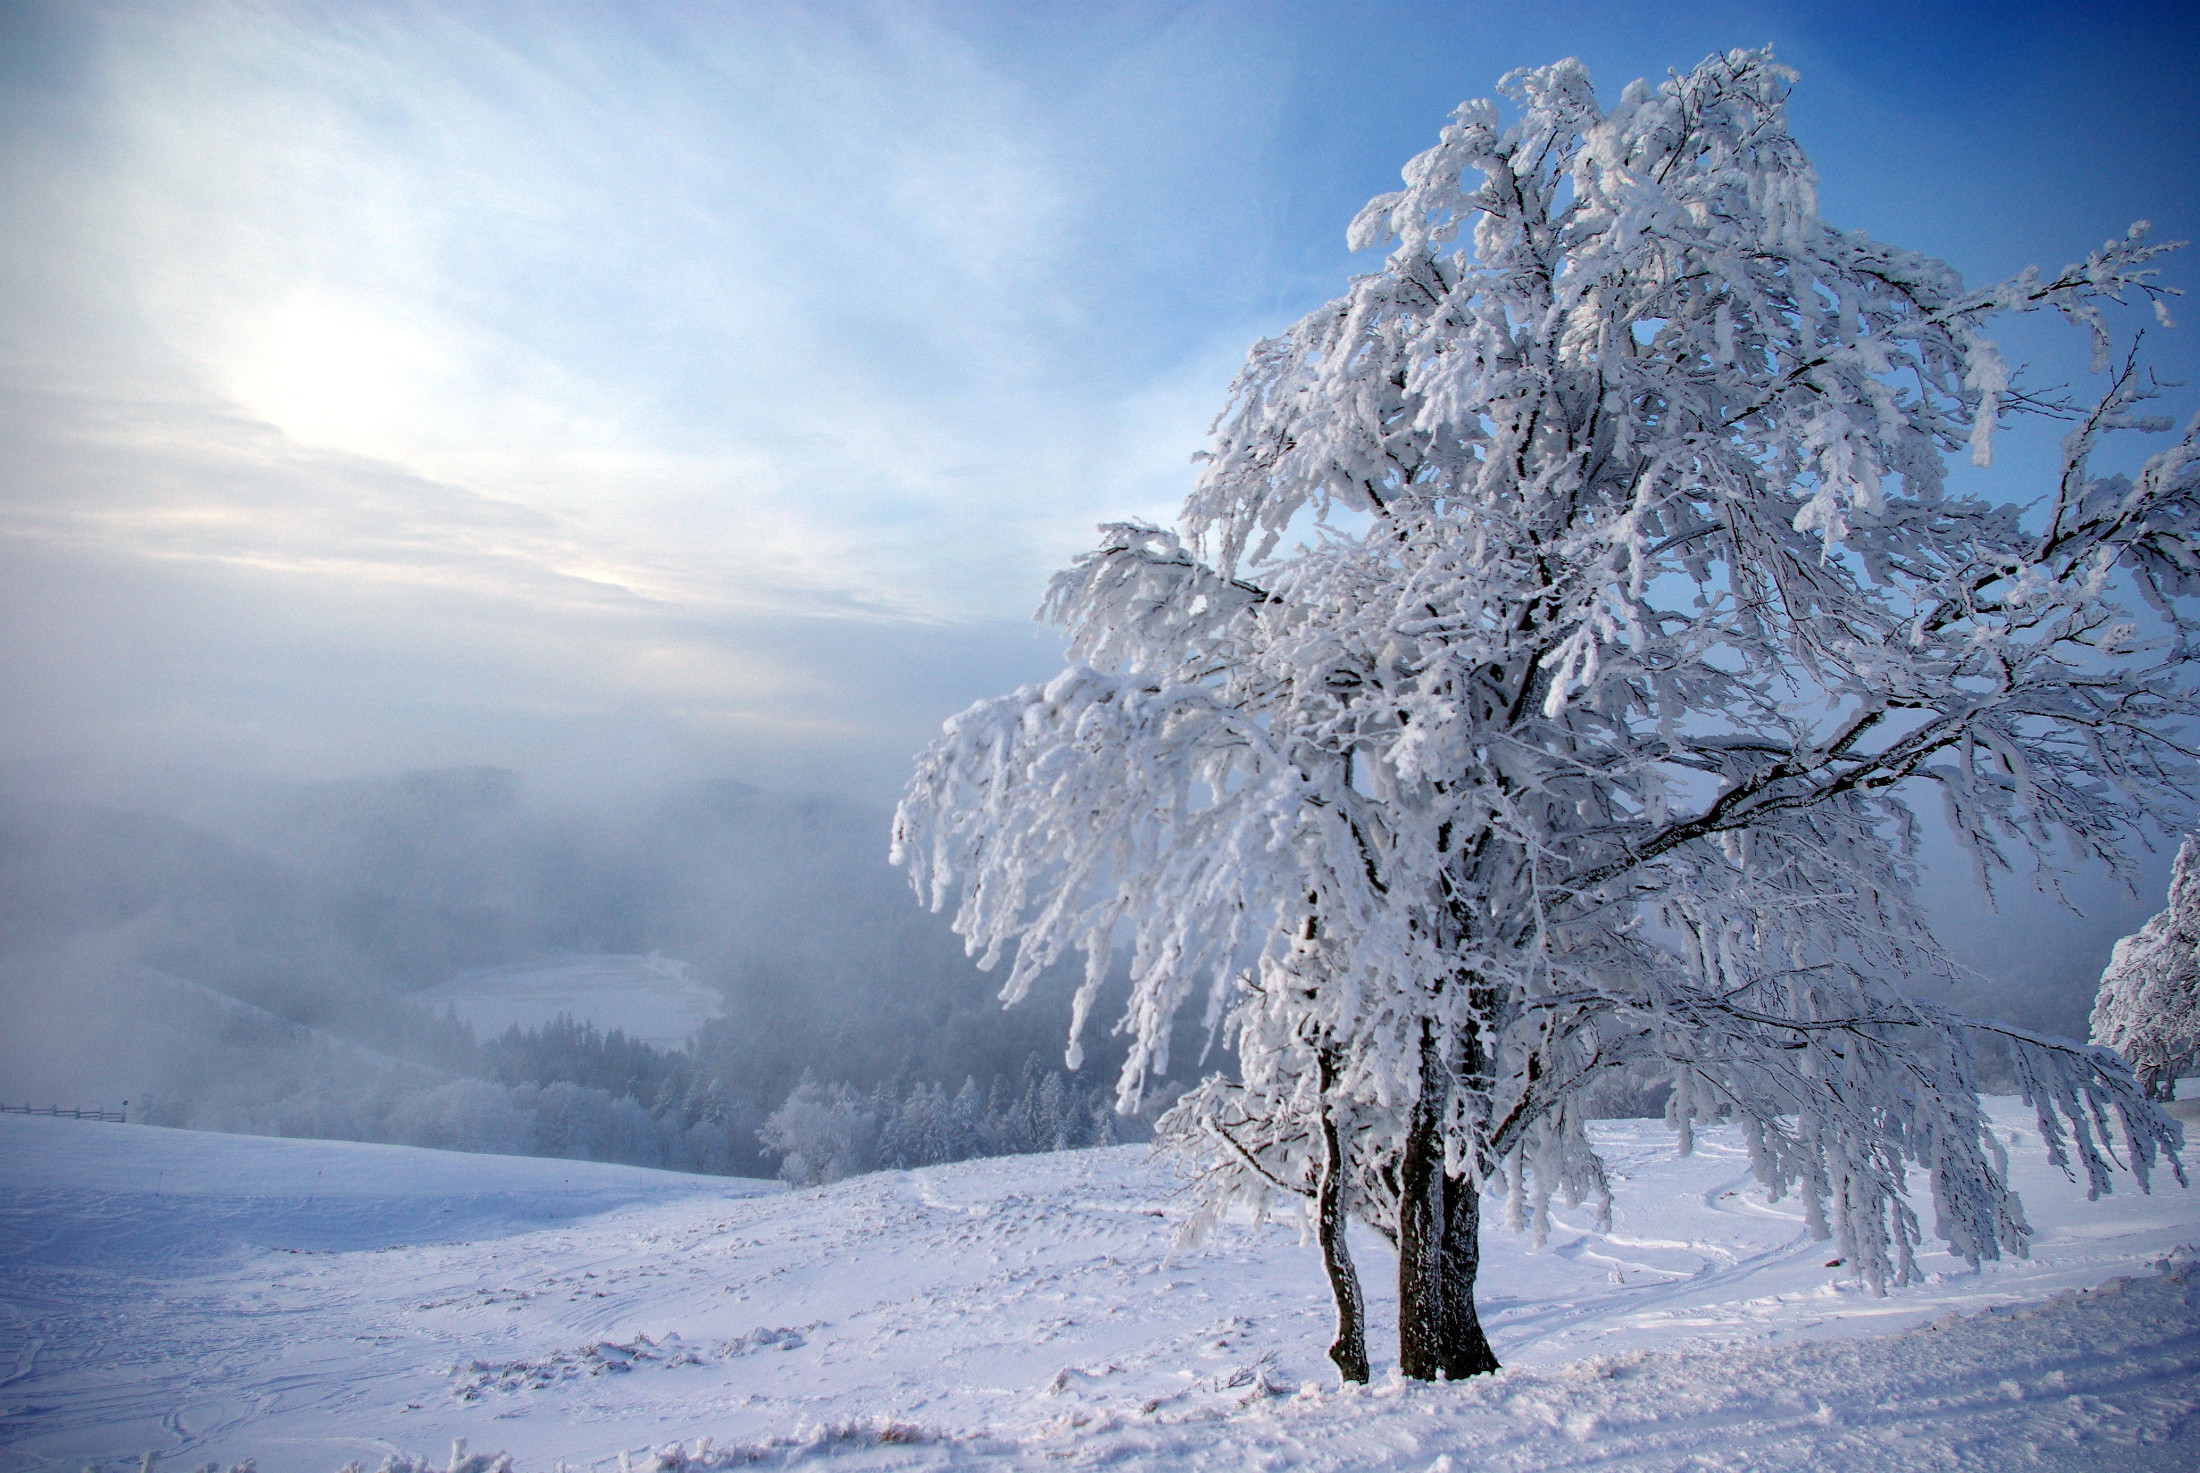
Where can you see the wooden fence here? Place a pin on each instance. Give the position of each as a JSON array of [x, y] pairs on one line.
[[115, 1116]]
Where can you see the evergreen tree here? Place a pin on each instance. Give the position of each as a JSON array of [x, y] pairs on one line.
[[963, 1120]]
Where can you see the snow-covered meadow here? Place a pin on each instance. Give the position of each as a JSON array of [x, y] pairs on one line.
[[306, 1304]]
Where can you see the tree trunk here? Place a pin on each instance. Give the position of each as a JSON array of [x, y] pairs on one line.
[[1421, 1223], [1466, 1350], [1439, 1246], [1349, 1349]]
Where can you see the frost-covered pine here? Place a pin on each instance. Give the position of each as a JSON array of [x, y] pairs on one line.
[[1581, 732], [2148, 1008]]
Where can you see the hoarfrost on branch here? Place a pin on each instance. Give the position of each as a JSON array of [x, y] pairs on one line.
[[1583, 730]]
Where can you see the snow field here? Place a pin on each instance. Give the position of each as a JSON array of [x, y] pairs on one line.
[[306, 1304]]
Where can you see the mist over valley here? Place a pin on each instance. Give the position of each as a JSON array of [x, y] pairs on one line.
[[303, 958]]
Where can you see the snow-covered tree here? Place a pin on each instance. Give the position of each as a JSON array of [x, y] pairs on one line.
[[2148, 1008], [965, 1120], [820, 1133], [1538, 683]]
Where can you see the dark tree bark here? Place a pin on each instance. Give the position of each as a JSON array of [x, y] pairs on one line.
[[1421, 1223], [1466, 1350], [1349, 1349], [1439, 1243]]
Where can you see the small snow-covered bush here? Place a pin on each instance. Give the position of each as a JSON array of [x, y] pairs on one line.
[[822, 1133], [2148, 1008]]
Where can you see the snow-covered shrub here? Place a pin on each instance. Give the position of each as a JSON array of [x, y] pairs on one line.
[[2148, 1008], [822, 1133]]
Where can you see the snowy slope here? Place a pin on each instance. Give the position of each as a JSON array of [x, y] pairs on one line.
[[149, 977], [309, 1303]]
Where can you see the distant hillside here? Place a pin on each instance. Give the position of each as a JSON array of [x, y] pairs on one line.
[[355, 907], [655, 999]]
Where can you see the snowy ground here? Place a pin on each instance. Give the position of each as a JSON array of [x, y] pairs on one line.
[[306, 1303], [653, 998]]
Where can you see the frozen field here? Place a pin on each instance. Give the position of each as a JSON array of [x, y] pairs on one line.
[[216, 1298], [652, 998]]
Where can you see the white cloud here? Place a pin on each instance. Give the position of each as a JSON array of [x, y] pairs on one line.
[[602, 323], [683, 366], [802, 301]]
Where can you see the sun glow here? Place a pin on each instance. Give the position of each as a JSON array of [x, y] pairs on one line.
[[327, 373]]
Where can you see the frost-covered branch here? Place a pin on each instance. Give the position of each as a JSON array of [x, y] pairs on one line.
[[1586, 730]]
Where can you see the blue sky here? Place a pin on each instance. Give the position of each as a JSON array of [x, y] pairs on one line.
[[616, 393]]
